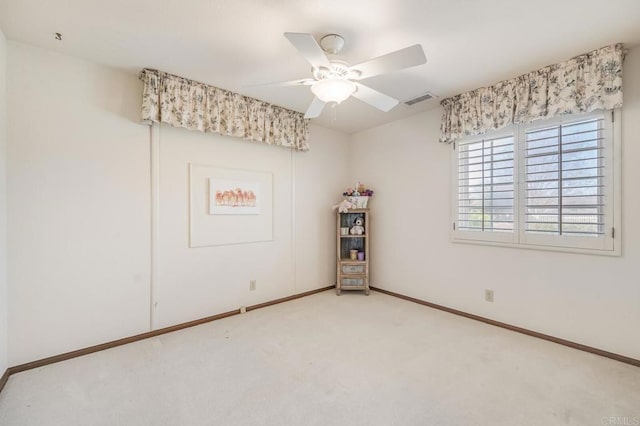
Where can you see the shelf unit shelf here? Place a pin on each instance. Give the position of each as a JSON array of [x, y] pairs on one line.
[[352, 274]]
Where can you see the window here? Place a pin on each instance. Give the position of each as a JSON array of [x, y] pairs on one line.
[[486, 187], [549, 184]]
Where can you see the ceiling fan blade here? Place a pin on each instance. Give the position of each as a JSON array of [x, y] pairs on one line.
[[315, 109], [374, 98], [309, 49], [301, 82], [400, 59]]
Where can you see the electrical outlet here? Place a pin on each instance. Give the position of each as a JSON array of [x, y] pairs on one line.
[[243, 310], [252, 285], [488, 295]]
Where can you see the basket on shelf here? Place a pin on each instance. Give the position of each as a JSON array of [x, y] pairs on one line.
[[358, 196], [360, 202]]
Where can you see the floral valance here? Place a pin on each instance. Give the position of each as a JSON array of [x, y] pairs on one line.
[[186, 103], [583, 84]]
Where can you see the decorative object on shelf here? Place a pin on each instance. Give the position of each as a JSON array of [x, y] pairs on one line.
[[360, 255], [358, 197], [344, 230], [358, 226], [344, 206], [353, 254]]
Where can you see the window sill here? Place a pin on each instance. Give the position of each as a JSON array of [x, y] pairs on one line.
[[615, 252]]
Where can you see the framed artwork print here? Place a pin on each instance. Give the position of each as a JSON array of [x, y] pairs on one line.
[[229, 206]]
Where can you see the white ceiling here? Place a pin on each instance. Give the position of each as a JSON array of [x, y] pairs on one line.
[[236, 43]]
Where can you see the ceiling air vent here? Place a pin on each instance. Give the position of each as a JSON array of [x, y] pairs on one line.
[[420, 98]]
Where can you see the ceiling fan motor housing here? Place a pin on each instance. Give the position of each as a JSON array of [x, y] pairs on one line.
[[339, 69]]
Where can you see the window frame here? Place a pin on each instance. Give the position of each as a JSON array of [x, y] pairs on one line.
[[609, 244]]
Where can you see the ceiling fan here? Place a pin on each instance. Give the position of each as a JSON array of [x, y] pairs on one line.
[[334, 80]]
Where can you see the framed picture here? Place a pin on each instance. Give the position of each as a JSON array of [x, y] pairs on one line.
[[229, 206]]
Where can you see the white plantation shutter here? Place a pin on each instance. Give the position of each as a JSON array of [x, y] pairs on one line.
[[564, 179], [546, 184], [486, 185], [567, 186]]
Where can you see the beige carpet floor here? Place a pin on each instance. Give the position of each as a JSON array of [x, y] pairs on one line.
[[328, 360]]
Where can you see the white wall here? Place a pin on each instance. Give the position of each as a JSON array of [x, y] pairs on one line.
[[197, 282], [3, 207], [321, 177], [587, 299], [78, 205], [79, 208]]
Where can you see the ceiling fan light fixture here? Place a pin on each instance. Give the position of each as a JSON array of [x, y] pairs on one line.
[[333, 90]]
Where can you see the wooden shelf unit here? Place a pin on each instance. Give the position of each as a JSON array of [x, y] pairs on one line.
[[352, 274]]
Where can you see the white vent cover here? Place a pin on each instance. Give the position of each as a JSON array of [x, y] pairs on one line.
[[420, 98]]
